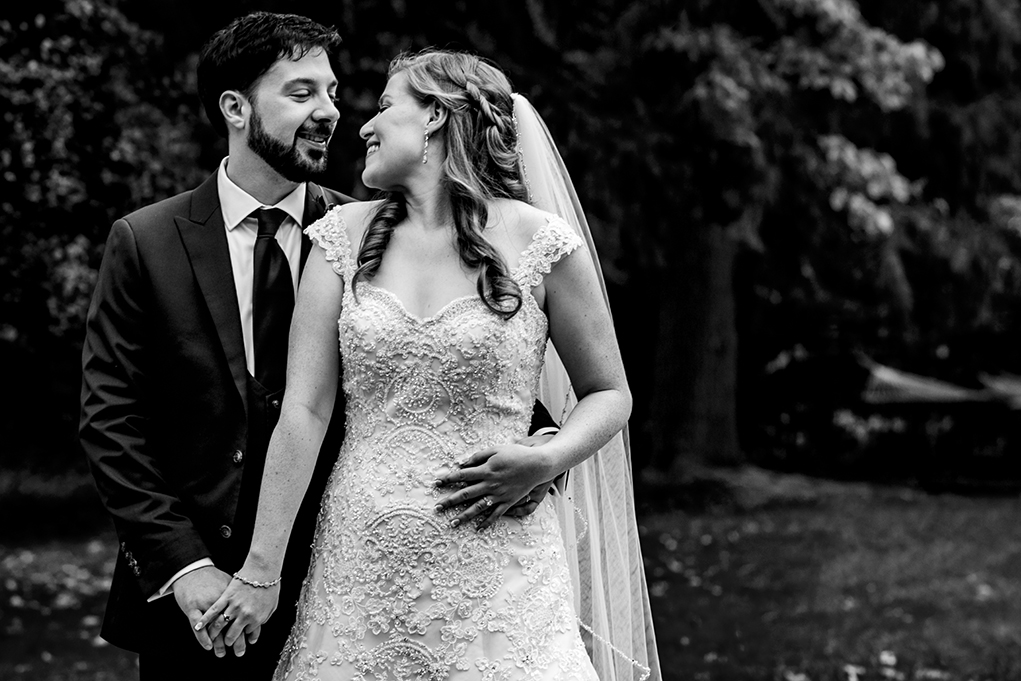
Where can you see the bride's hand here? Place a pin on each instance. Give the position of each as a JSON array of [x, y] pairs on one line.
[[496, 479], [240, 610]]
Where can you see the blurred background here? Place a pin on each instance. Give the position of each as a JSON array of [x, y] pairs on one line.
[[809, 216]]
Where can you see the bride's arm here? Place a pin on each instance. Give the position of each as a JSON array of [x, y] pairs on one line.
[[582, 331], [313, 368]]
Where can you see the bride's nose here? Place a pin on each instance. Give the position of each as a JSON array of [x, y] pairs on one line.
[[366, 130]]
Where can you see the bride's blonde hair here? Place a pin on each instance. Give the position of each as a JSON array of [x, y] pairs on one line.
[[481, 164]]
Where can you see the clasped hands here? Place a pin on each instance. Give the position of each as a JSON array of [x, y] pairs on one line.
[[197, 593], [510, 479]]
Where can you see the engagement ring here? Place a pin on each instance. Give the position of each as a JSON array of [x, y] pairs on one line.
[[227, 618], [487, 502]]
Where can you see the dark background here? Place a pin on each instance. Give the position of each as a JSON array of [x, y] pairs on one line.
[[782, 193]]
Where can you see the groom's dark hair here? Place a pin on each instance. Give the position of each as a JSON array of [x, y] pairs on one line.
[[237, 56]]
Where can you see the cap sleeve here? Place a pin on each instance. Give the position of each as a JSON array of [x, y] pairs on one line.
[[330, 233], [551, 242]]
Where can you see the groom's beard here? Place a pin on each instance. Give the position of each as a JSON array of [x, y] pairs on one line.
[[288, 160]]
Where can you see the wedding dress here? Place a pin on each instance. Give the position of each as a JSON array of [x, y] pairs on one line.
[[394, 592]]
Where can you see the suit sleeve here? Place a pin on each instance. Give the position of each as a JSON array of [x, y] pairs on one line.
[[157, 537], [541, 418]]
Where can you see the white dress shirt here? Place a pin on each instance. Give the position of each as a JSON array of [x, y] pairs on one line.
[[242, 229]]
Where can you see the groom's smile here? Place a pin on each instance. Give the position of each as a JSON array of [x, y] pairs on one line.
[[317, 139]]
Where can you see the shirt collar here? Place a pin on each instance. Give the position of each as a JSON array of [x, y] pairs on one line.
[[237, 204]]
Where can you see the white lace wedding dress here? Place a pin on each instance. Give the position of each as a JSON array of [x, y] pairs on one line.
[[393, 591]]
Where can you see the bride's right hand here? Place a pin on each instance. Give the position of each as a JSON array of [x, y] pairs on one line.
[[240, 610]]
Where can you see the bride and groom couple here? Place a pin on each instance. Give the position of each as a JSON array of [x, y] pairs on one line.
[[401, 513]]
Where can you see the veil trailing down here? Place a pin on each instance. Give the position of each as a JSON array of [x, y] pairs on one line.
[[597, 511]]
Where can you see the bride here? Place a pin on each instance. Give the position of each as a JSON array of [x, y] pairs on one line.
[[446, 290]]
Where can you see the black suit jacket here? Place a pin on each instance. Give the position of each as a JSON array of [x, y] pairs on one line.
[[174, 443]]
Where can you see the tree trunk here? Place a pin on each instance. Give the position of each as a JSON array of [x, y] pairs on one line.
[[694, 420]]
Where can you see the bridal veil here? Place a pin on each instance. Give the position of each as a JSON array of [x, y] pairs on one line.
[[597, 509]]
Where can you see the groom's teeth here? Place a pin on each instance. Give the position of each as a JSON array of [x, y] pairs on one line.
[[310, 137]]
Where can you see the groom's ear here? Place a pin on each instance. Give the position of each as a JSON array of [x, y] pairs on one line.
[[235, 108]]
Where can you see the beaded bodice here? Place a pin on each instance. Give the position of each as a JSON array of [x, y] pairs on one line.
[[395, 592], [461, 379]]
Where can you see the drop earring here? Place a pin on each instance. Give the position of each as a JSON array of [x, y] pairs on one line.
[[425, 148]]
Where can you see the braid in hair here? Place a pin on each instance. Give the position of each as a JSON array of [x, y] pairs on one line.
[[481, 165]]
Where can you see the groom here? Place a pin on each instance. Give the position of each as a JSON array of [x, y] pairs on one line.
[[184, 356]]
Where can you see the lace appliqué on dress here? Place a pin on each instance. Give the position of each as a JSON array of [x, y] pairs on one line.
[[330, 233], [549, 244], [394, 592]]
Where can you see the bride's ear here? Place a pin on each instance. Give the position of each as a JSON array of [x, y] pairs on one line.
[[437, 117]]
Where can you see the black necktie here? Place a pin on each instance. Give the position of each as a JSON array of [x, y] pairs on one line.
[[272, 301]]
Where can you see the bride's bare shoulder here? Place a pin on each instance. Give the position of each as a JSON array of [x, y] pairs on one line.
[[520, 222], [357, 217]]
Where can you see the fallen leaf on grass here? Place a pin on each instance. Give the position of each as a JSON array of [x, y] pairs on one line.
[[66, 601], [853, 672], [15, 627]]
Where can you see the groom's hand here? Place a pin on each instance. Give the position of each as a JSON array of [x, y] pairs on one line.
[[528, 505], [240, 612], [195, 592]]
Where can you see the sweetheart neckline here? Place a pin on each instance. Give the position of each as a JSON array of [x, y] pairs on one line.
[[422, 321], [345, 245]]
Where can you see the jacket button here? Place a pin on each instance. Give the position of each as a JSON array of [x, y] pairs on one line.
[[225, 531], [275, 403], [239, 456]]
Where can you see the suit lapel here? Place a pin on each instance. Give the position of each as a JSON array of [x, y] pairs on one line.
[[315, 208], [205, 239]]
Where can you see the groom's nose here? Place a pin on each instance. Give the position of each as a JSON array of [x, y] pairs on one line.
[[327, 111]]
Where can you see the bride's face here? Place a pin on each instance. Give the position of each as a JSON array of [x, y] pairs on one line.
[[394, 137]]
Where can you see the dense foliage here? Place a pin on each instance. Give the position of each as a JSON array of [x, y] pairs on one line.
[[779, 188], [94, 124]]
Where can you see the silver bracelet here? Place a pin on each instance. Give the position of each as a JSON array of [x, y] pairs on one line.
[[252, 582]]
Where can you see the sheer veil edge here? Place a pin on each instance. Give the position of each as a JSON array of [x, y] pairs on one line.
[[597, 510]]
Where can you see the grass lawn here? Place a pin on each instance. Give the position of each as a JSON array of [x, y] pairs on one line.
[[803, 580], [786, 579]]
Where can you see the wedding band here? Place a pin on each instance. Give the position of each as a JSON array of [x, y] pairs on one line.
[[487, 502], [227, 618]]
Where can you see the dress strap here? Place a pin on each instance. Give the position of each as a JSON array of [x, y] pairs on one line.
[[330, 233], [551, 242]]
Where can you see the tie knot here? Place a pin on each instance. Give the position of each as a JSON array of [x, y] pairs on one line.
[[270, 220]]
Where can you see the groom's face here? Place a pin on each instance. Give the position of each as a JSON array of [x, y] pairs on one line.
[[293, 116]]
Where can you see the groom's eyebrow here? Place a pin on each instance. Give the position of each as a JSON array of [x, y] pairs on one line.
[[307, 82]]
